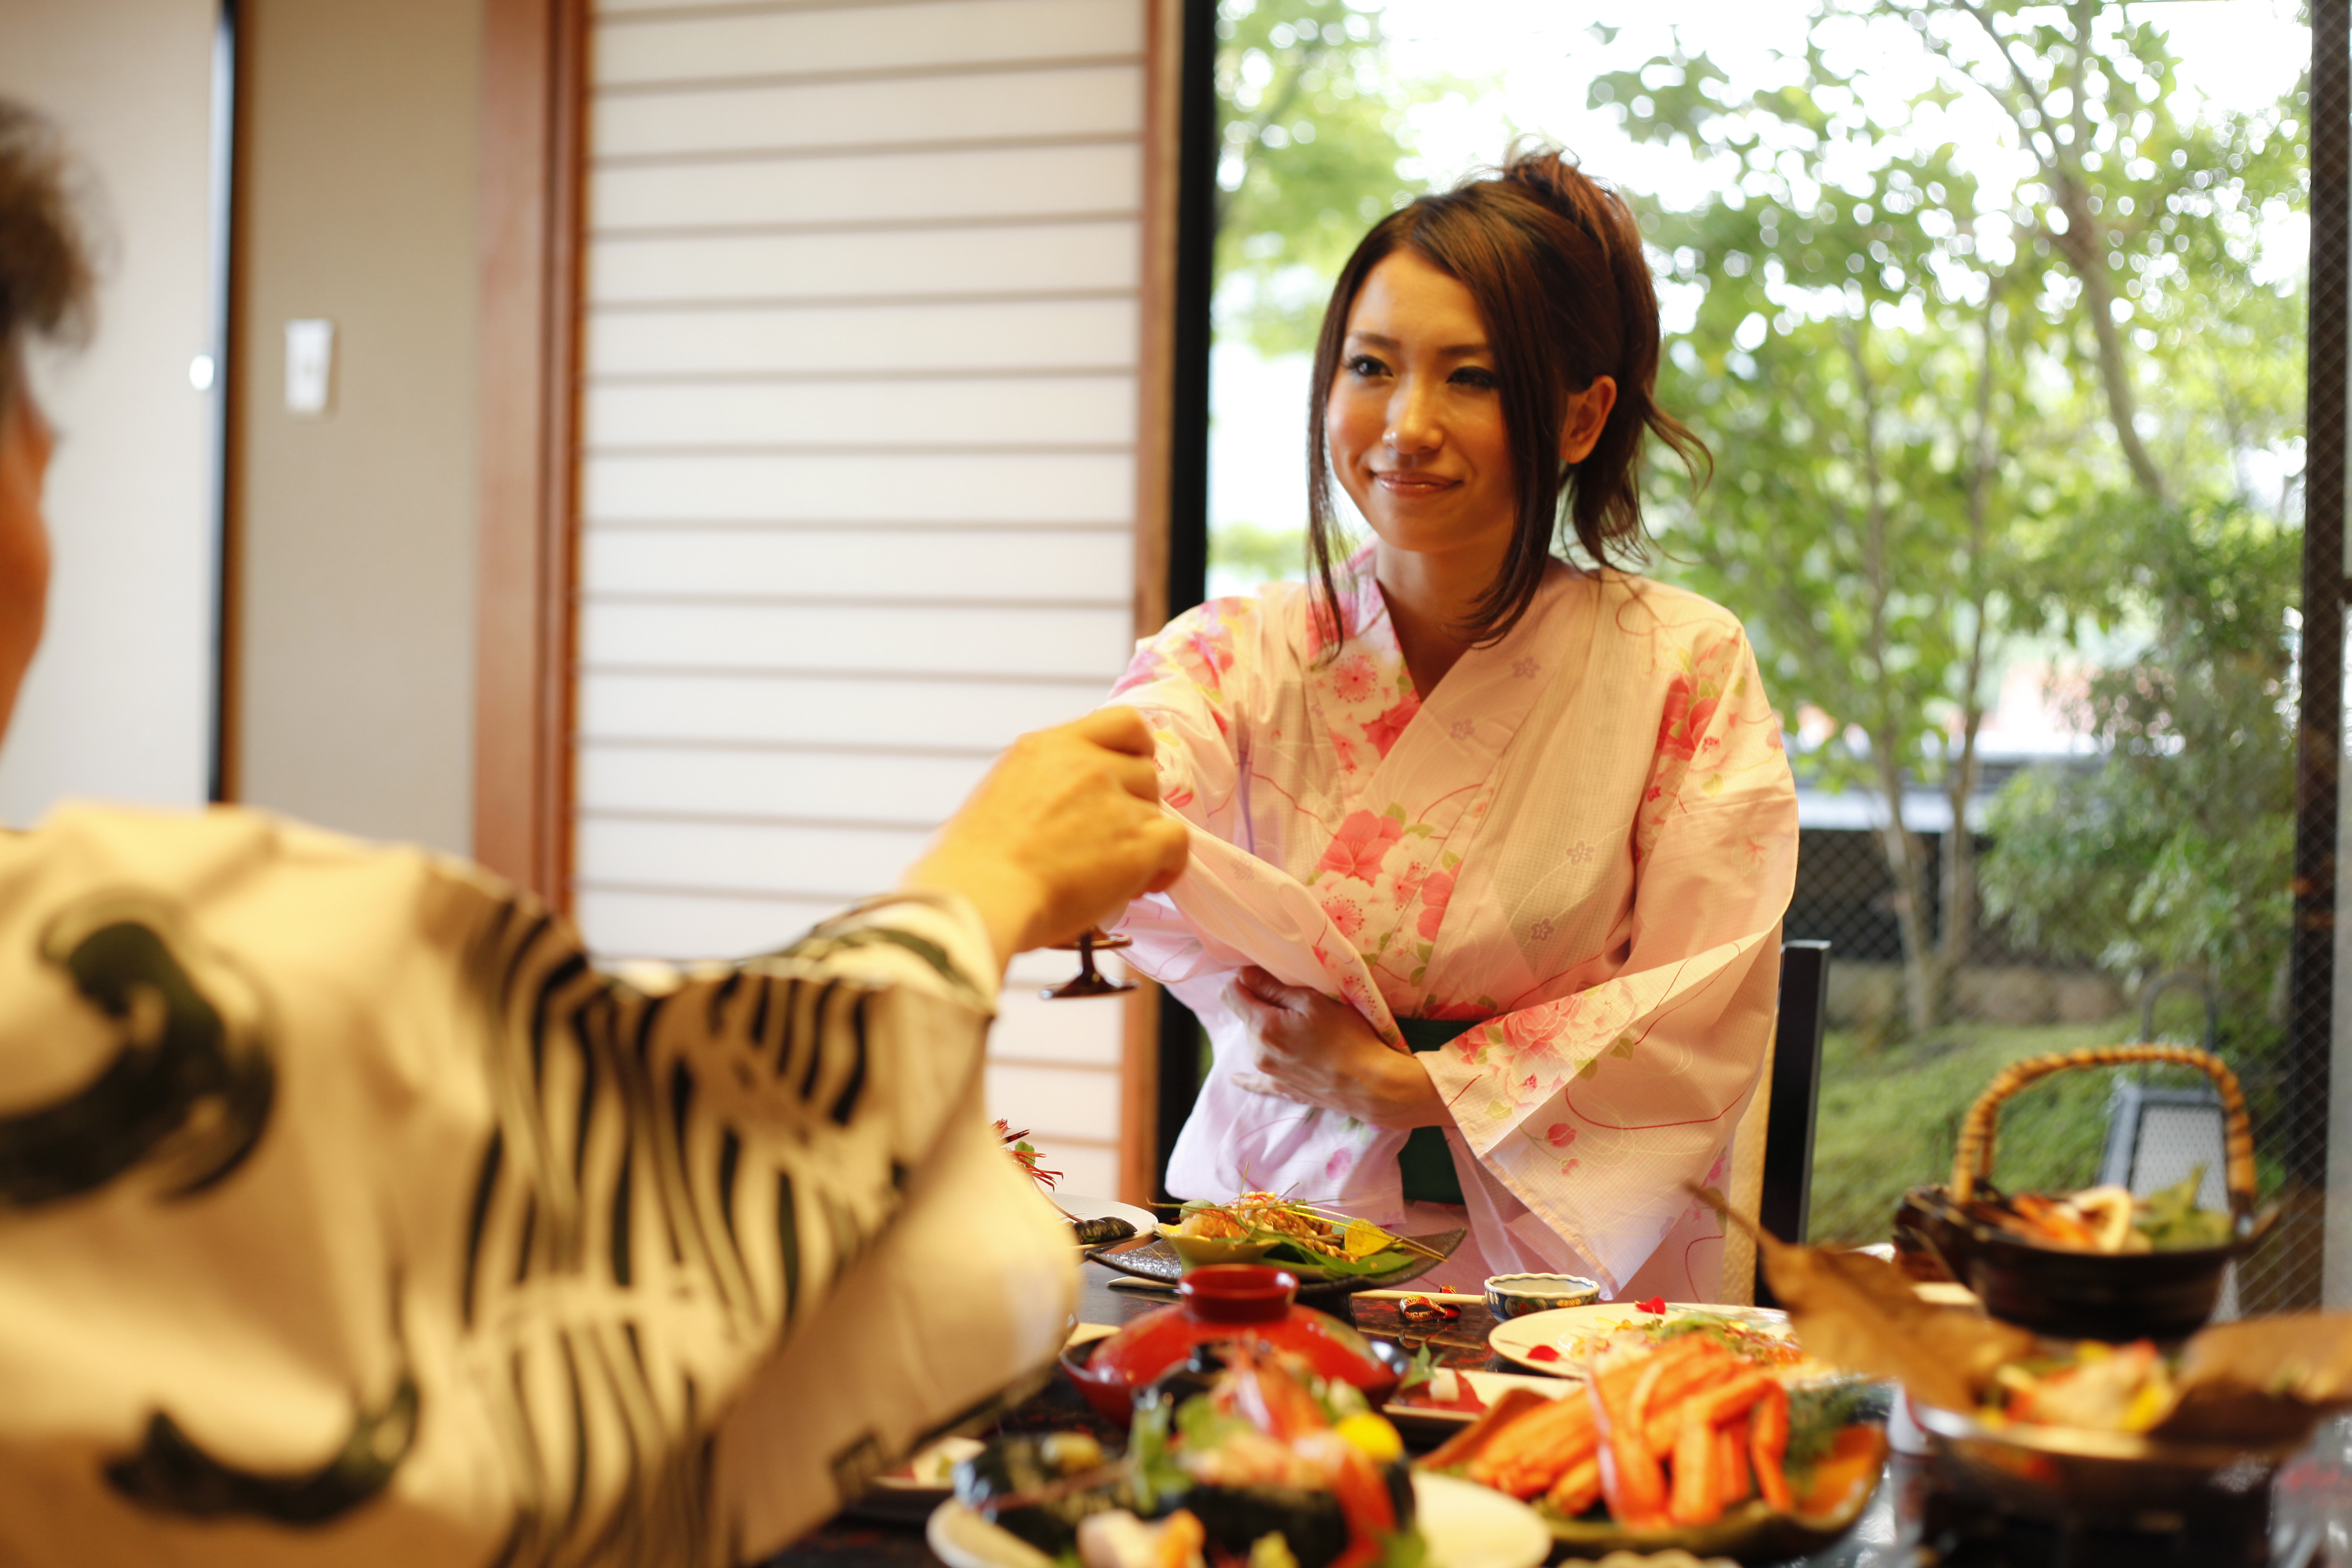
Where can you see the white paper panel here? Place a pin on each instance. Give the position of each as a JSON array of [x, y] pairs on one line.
[[1083, 1032], [999, 105], [1018, 258], [981, 411], [864, 339], [952, 640], [961, 564], [880, 189], [911, 487], [980, 716], [1069, 1102], [804, 43], [620, 925], [795, 380], [887, 791], [829, 862]]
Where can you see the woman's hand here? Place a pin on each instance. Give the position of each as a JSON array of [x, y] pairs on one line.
[[1321, 1052]]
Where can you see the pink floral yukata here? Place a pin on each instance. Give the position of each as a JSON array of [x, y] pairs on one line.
[[1586, 837]]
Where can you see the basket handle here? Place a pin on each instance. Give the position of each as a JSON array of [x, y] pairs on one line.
[[1972, 1160]]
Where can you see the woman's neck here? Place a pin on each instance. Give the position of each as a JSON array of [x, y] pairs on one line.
[[1429, 594]]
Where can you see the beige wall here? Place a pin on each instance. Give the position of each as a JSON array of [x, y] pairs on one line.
[[355, 532], [120, 702]]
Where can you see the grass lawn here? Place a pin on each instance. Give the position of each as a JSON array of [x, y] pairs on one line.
[[1890, 1115]]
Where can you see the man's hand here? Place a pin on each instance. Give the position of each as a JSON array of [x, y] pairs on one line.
[[1065, 828], [1321, 1052]]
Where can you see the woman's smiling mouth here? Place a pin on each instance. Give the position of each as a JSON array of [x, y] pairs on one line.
[[1397, 483]]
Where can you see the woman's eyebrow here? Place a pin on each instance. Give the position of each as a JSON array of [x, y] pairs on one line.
[[1452, 350]]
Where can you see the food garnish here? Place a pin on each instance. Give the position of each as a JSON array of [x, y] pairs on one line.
[[1024, 1155], [2107, 1219], [1296, 1234]]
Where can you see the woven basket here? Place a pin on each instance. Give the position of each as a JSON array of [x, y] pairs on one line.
[[2055, 1291]]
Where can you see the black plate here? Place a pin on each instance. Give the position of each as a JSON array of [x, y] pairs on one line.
[[1158, 1260], [2117, 1296]]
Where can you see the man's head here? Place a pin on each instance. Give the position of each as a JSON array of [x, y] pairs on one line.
[[44, 292]]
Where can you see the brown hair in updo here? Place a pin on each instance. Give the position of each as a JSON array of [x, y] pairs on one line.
[[1553, 260]]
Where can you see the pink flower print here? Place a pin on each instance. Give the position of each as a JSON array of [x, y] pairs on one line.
[[1206, 656], [1362, 843], [1346, 913], [1687, 714], [1528, 1032], [1434, 893], [1178, 798], [1337, 1167], [1408, 881], [1352, 677], [1383, 732], [1559, 1134], [1541, 932]]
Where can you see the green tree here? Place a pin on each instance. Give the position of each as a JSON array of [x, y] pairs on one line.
[[1917, 402], [2176, 853], [1311, 135]]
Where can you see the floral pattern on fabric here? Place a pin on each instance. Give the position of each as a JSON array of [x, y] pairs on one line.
[[1583, 838]]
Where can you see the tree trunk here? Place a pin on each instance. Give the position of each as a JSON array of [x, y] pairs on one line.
[[1959, 845], [1906, 861], [1905, 858]]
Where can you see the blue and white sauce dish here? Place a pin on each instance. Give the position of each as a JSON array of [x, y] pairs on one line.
[[1516, 1295]]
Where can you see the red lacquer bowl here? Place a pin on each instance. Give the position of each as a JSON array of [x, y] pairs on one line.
[[1223, 1301]]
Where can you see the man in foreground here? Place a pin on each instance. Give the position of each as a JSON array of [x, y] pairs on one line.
[[347, 1212]]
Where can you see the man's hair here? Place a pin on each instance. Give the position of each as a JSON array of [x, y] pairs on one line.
[[46, 284]]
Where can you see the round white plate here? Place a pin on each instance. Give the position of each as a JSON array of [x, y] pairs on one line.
[[1468, 1526], [1145, 1223], [1465, 1526], [1562, 1328]]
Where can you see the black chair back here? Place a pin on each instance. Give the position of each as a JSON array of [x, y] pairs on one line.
[[1796, 1091]]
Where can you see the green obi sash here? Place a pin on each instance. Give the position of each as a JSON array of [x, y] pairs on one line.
[[1425, 1161]]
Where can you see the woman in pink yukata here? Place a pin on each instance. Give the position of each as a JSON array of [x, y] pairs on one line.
[[1489, 851]]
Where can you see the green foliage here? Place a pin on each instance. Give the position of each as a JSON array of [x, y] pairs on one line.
[[1925, 400], [1262, 552], [1891, 1114], [2176, 852], [1311, 136]]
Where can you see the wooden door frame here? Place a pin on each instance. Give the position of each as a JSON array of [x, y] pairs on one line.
[[534, 114]]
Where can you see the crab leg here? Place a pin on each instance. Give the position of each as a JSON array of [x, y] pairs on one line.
[[1768, 1442], [1630, 1478], [1698, 1490]]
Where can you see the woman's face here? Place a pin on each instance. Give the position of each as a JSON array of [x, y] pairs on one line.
[[1413, 418]]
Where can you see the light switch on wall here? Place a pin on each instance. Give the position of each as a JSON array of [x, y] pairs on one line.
[[310, 365]]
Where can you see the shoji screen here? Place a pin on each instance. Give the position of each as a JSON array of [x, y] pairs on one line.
[[858, 489]]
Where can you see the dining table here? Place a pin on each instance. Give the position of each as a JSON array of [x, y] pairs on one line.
[[1911, 1521]]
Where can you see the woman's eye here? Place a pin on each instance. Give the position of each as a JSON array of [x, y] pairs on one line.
[[1366, 365], [1476, 375]]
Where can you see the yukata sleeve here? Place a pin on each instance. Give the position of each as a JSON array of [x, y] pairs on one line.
[[1187, 682], [1599, 1110]]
